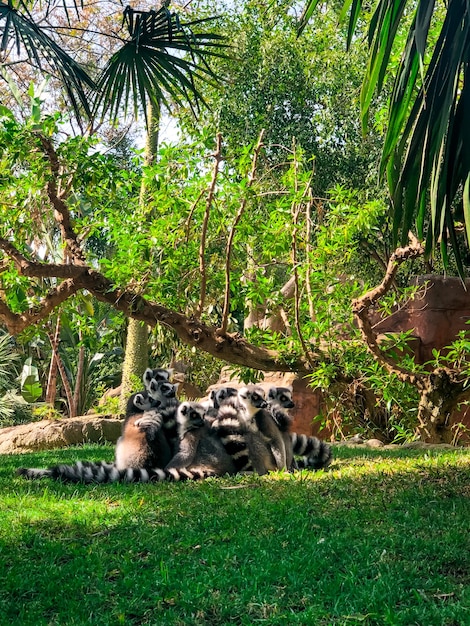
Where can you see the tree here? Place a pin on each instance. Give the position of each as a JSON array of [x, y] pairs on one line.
[[142, 69], [136, 355], [147, 64], [304, 88], [424, 155]]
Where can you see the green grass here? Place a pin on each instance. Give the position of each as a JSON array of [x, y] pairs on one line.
[[381, 538]]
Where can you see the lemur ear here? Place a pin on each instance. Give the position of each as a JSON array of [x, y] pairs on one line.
[[272, 392], [184, 408], [147, 377]]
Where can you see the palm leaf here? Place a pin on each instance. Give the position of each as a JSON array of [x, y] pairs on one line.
[[21, 32], [425, 155], [161, 58]]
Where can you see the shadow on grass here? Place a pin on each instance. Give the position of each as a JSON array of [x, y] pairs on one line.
[[381, 538]]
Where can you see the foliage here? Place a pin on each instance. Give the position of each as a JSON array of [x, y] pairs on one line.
[[110, 406], [13, 407], [423, 153], [43, 411], [30, 386], [303, 89], [14, 410], [90, 334], [354, 545], [160, 54], [332, 250]]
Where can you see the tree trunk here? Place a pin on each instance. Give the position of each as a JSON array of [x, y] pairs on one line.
[[78, 381], [439, 399], [136, 359], [51, 389], [136, 354]]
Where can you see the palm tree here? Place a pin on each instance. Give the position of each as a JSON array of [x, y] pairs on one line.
[[425, 156], [158, 56]]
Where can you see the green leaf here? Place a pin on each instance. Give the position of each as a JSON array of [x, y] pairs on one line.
[[145, 68], [306, 15], [466, 206], [30, 387]]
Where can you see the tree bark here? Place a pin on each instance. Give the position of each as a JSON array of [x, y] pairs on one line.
[[440, 397], [442, 390], [136, 352], [136, 359]]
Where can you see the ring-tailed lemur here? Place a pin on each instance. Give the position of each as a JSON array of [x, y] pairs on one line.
[[148, 442], [248, 432], [199, 447], [316, 454], [143, 443], [165, 393], [222, 459], [201, 455], [253, 401], [217, 397], [279, 399], [158, 374]]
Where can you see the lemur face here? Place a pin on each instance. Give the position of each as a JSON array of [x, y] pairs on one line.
[[252, 397], [281, 396]]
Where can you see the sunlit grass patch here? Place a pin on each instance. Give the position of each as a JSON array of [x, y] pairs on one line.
[[379, 538]]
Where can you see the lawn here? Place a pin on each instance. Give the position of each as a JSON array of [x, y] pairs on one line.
[[381, 538]]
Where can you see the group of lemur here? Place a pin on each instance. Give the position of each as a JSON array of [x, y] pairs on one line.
[[234, 430]]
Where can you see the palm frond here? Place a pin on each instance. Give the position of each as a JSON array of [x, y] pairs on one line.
[[162, 58], [425, 154], [23, 34]]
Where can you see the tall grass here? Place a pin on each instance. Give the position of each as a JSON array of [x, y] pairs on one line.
[[381, 538]]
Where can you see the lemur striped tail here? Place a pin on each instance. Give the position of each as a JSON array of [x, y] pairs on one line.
[[314, 453], [87, 472]]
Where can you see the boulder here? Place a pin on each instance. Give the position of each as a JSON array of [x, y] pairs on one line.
[[49, 434]]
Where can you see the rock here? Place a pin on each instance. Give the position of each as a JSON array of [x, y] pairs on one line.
[[356, 439], [374, 443], [49, 434], [422, 445]]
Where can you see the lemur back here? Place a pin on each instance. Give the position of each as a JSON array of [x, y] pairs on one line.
[[248, 433], [217, 398]]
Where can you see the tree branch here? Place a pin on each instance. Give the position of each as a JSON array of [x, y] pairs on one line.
[[230, 348], [241, 210], [202, 245], [37, 269], [61, 212], [295, 211], [362, 305]]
